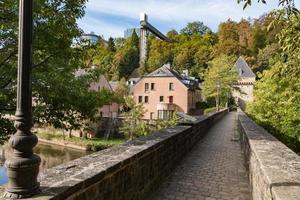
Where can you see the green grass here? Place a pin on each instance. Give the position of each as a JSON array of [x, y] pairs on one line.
[[209, 110], [212, 109], [94, 144]]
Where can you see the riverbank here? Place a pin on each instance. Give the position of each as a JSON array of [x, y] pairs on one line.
[[64, 144], [89, 144]]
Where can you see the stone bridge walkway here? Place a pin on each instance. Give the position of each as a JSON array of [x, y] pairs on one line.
[[212, 170]]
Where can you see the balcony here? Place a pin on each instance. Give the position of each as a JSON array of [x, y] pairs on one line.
[[166, 106]]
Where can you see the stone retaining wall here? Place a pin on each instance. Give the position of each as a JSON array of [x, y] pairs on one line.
[[274, 169], [64, 144], [127, 171]]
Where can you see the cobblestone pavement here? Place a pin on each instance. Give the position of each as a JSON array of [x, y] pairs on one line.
[[212, 170]]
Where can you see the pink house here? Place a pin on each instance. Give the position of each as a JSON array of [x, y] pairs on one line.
[[165, 91], [110, 110]]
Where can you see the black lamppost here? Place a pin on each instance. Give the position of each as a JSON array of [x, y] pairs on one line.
[[23, 165]]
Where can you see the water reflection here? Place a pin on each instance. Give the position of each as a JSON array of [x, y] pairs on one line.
[[51, 155]]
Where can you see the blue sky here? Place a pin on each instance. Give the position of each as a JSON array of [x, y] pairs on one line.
[[112, 17]]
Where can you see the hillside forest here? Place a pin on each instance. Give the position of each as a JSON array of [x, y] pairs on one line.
[[269, 44]]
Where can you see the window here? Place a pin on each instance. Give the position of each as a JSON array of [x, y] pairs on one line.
[[140, 99], [152, 86], [146, 99], [151, 115], [146, 87], [171, 86], [164, 114], [161, 99], [171, 99]]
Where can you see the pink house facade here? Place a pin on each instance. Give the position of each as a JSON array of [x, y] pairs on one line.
[[110, 110], [165, 91], [107, 111]]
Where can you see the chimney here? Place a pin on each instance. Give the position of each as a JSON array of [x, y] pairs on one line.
[[185, 72], [167, 65]]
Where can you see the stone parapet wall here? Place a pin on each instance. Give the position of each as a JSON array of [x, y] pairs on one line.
[[128, 171], [274, 169]]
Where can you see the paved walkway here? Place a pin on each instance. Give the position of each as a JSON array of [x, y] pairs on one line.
[[212, 170]]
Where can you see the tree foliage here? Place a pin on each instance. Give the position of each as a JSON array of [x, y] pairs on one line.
[[133, 124], [219, 79], [277, 93], [195, 28], [277, 103], [121, 91], [59, 98], [171, 121]]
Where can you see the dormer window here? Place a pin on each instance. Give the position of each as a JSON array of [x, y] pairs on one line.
[[240, 71]]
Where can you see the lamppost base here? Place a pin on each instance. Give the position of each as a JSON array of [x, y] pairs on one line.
[[21, 195], [22, 174]]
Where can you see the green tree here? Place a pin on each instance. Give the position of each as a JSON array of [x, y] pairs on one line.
[[201, 59], [288, 4], [133, 125], [171, 121], [259, 37], [134, 40], [195, 28], [122, 90], [60, 99], [111, 44], [184, 59], [160, 52], [277, 103], [172, 34], [219, 79], [126, 58], [266, 57], [119, 42]]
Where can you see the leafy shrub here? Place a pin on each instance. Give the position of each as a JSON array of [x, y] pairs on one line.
[[202, 105]]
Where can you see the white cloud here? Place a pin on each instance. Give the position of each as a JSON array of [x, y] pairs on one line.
[[169, 12], [104, 28]]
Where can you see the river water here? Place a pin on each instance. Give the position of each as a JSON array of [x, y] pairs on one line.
[[51, 155]]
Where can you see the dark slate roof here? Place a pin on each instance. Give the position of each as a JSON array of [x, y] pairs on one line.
[[166, 71], [135, 73], [243, 68], [113, 85], [135, 80]]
